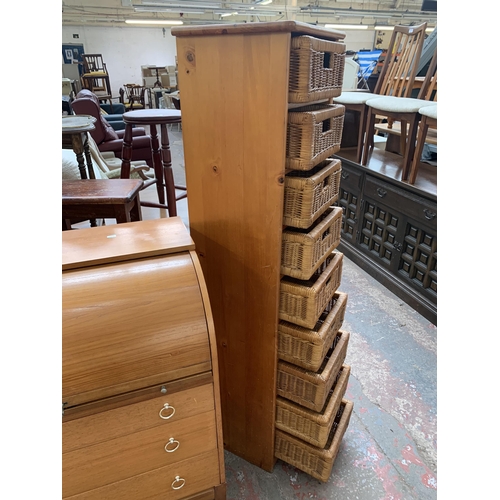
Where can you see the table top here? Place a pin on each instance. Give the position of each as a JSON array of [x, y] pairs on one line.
[[118, 242], [155, 116], [77, 123]]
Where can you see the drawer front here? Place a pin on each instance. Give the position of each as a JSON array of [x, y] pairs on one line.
[[131, 325], [118, 422], [199, 474], [127, 456], [416, 207]]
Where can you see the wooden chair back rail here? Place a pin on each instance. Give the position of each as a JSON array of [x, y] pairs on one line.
[[93, 62], [428, 91], [400, 67]]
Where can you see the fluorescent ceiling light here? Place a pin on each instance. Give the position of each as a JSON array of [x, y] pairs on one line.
[[152, 21], [347, 26], [384, 28], [226, 14], [264, 2]]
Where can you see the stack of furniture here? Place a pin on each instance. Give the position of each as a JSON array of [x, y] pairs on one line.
[[141, 406], [95, 76], [258, 134]]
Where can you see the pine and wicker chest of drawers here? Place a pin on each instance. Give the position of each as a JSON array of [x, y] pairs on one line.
[[141, 402], [240, 88]]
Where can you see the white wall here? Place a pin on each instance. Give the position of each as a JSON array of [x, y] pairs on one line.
[[124, 50]]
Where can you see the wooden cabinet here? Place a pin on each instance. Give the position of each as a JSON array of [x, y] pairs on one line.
[[234, 86], [141, 401], [391, 231]]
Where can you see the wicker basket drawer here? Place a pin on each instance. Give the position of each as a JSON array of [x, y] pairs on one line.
[[315, 461], [308, 388], [313, 134], [312, 426], [309, 193], [307, 347], [316, 69], [303, 302], [303, 250]]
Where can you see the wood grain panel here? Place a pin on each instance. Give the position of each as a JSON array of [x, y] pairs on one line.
[[200, 474], [130, 325], [234, 132], [98, 465], [132, 418]]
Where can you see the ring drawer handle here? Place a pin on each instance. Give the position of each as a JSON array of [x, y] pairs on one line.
[[174, 442], [428, 214], [179, 482], [381, 192], [166, 406]]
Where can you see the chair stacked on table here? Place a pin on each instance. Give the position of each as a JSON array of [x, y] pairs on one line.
[[311, 411]]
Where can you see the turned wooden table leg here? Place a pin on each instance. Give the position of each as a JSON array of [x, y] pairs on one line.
[[126, 152], [168, 172], [155, 145], [76, 140]]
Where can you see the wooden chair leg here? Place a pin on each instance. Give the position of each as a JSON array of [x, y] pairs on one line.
[[417, 155], [361, 134], [410, 146], [369, 131]]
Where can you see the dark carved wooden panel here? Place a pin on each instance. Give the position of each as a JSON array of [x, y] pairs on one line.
[[419, 258], [349, 203], [379, 233]]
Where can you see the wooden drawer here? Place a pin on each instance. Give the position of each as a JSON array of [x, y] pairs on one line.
[[126, 456], [130, 325], [416, 207], [199, 474], [131, 418], [350, 179]]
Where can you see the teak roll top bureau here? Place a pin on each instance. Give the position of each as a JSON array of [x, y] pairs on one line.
[[141, 405]]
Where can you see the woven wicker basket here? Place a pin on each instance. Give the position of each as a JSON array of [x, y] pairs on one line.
[[307, 347], [312, 426], [313, 134], [309, 193], [303, 302], [316, 69], [303, 250], [315, 461], [308, 388]]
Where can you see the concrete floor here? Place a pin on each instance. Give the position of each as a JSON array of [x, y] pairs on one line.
[[389, 451]]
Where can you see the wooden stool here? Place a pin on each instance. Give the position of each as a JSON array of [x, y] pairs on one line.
[[101, 198], [162, 159]]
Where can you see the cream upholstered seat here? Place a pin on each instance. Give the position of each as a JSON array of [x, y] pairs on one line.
[[396, 77], [404, 110]]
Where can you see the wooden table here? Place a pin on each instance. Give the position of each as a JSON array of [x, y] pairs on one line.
[[74, 136], [162, 159], [101, 198]]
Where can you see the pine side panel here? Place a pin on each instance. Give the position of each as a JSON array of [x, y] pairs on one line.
[[234, 108]]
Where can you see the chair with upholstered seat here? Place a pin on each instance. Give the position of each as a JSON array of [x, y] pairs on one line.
[[428, 120], [95, 76], [396, 77], [406, 112], [132, 96]]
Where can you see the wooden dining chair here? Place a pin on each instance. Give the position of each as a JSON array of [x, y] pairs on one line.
[[404, 111], [132, 96], [428, 121], [95, 75], [396, 77]]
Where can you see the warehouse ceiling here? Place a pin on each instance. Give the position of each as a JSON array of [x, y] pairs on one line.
[[321, 12]]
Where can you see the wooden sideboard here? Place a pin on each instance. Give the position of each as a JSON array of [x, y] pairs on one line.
[[234, 83], [140, 385], [389, 229]]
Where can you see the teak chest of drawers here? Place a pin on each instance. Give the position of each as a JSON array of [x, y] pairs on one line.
[[140, 385]]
